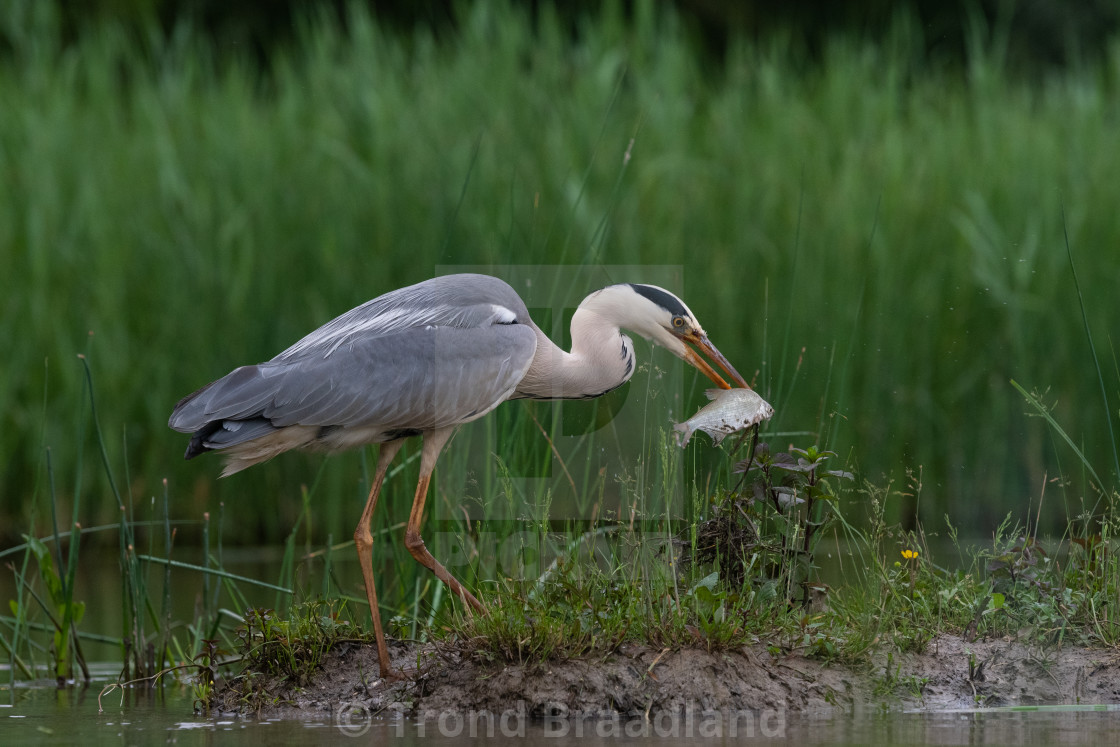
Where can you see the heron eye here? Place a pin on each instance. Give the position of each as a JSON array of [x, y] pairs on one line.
[[678, 321]]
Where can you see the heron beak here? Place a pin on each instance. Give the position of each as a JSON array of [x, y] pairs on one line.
[[705, 346]]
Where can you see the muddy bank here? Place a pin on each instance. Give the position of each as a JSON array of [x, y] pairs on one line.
[[636, 680]]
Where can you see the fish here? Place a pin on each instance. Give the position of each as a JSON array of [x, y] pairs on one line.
[[730, 410]]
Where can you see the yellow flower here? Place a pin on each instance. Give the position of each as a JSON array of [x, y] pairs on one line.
[[910, 554]]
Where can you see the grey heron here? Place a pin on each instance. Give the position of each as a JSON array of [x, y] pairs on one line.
[[420, 361]]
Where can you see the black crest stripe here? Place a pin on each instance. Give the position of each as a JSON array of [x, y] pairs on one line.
[[665, 300]]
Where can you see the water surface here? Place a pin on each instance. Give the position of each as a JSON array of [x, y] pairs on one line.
[[39, 714]]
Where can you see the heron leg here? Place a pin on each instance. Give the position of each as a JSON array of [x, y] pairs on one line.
[[363, 541], [433, 444]]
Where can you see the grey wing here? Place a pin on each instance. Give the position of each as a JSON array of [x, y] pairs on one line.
[[440, 352], [414, 379], [464, 300]]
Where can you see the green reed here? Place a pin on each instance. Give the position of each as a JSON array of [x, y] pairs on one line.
[[227, 210], [900, 217]]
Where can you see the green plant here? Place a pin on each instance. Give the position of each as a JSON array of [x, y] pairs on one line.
[[776, 521], [63, 610], [136, 237], [270, 187], [293, 647], [892, 682]]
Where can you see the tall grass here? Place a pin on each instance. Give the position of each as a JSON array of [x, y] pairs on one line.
[[195, 213]]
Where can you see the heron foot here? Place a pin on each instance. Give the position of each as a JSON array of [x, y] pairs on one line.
[[470, 601]]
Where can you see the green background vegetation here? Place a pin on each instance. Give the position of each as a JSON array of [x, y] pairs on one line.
[[876, 233]]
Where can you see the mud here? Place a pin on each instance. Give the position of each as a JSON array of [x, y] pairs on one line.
[[639, 681]]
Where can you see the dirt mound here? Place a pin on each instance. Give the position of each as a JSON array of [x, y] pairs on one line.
[[637, 681]]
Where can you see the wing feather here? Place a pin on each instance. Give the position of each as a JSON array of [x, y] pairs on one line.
[[417, 379], [464, 300], [439, 353]]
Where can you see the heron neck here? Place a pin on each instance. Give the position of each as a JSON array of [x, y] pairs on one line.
[[602, 359]]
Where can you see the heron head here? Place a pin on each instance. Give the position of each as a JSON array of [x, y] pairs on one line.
[[665, 320]]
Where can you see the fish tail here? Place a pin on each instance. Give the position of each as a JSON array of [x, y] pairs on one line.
[[683, 434]]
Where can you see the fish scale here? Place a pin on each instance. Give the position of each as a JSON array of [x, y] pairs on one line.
[[730, 410]]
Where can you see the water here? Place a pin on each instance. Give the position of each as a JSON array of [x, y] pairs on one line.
[[42, 715]]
